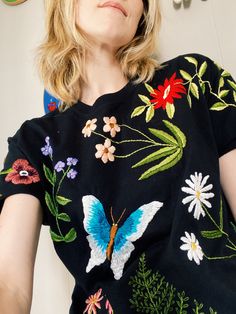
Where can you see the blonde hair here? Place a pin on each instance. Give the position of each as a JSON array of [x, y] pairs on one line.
[[61, 56]]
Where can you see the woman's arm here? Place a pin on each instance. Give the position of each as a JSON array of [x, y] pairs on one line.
[[20, 223], [228, 178]]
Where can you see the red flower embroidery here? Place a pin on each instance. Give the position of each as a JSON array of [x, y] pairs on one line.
[[165, 93], [22, 173], [93, 302]]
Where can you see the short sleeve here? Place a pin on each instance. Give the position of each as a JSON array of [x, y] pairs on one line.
[[220, 91], [20, 174]]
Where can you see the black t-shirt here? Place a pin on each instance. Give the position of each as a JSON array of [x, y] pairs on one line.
[[130, 188]]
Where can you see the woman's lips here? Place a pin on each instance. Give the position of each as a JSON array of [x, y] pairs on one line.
[[115, 5]]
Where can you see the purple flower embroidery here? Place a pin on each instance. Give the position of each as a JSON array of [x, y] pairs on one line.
[[59, 166], [47, 149], [72, 174], [71, 161]]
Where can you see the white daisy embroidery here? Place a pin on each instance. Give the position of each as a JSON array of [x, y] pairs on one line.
[[191, 245], [199, 193]]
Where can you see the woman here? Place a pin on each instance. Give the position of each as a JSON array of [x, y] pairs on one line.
[[135, 174]]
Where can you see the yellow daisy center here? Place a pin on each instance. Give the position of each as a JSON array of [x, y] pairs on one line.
[[193, 246], [198, 194]]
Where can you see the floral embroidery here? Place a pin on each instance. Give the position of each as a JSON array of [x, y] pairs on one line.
[[226, 84], [199, 193], [198, 197], [105, 151], [47, 149], [109, 307], [59, 166], [93, 303], [21, 172], [171, 148], [162, 97], [191, 245], [151, 293], [111, 125], [89, 127], [55, 199], [112, 242]]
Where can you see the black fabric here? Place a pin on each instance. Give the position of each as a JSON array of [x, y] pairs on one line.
[[148, 161]]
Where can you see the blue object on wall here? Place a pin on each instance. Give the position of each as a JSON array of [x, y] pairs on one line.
[[50, 103]]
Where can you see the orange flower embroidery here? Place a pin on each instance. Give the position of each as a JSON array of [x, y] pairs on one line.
[[89, 127], [105, 151], [111, 125]]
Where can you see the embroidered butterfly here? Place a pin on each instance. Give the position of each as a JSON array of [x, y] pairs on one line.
[[112, 242]]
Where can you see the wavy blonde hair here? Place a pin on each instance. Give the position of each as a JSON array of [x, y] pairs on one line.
[[61, 57]]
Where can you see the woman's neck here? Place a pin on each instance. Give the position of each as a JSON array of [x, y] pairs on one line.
[[104, 76]]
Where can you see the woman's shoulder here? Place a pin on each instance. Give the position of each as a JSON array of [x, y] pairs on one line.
[[36, 127]]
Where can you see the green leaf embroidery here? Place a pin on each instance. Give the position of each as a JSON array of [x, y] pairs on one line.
[[224, 93], [225, 73], [234, 95], [221, 214], [170, 109], [6, 171], [145, 99], [182, 303], [62, 200], [219, 106], [203, 68], [55, 237], [49, 175], [150, 113], [194, 90], [213, 234], [50, 204], [189, 100], [151, 293], [203, 87], [232, 84], [64, 217], [222, 82], [179, 135], [165, 164], [186, 75], [138, 111], [198, 307], [149, 88], [70, 236], [165, 151], [165, 137], [192, 60]]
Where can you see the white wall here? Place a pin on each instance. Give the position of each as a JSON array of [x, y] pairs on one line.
[[206, 27]]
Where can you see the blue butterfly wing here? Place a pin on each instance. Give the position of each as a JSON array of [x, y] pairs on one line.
[[98, 229], [132, 229]]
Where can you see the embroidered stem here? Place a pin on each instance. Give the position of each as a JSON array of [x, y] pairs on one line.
[[219, 257], [134, 152], [63, 177], [213, 221], [135, 130]]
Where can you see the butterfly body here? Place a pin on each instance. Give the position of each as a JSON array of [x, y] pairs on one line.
[[112, 242], [110, 246]]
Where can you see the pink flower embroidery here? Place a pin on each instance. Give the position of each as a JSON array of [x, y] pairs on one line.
[[109, 307], [105, 151], [22, 173], [93, 302], [111, 126], [89, 127]]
